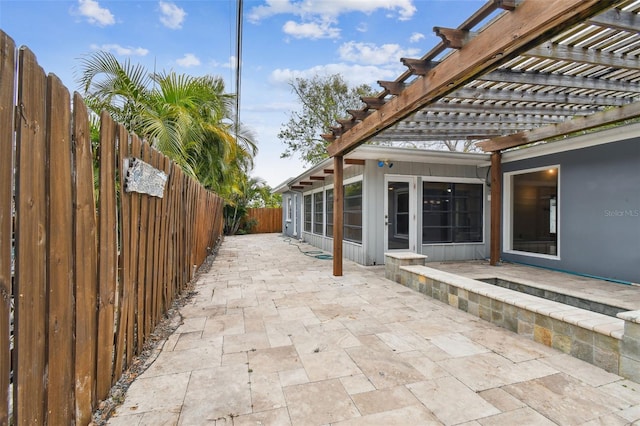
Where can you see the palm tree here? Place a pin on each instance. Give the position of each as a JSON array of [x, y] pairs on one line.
[[187, 118]]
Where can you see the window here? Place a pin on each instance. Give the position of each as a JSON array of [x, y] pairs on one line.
[[452, 212], [534, 218], [353, 212], [289, 209], [318, 210], [307, 213], [329, 213]]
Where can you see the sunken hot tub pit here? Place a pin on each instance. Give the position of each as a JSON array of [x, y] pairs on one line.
[[609, 342]]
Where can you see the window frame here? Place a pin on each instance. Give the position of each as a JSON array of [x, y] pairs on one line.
[[453, 180], [307, 212], [352, 181], [507, 212]]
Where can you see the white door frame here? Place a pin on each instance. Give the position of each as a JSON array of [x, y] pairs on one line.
[[413, 193]]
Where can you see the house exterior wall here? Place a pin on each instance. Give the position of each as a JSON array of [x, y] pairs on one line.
[[375, 216], [599, 210]]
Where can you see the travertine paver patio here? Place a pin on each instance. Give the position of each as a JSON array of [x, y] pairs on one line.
[[272, 338]]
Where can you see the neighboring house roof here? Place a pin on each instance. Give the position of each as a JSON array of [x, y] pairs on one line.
[[516, 72]]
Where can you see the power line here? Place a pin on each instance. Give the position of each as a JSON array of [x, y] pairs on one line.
[[238, 62]]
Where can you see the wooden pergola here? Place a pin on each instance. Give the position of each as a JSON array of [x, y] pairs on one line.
[[514, 73]]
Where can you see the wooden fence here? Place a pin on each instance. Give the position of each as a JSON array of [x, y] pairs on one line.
[[92, 277], [266, 220]]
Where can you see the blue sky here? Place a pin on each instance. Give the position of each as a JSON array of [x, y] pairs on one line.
[[282, 39]]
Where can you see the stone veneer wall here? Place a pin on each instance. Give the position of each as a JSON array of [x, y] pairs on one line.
[[609, 343]]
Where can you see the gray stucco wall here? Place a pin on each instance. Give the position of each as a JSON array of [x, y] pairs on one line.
[[599, 214]]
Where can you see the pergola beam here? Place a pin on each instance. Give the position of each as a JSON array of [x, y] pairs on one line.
[[598, 119], [583, 56], [535, 97], [559, 80], [618, 20], [510, 35], [451, 107]]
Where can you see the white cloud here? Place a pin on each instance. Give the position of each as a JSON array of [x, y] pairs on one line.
[[188, 60], [306, 8], [371, 54], [354, 75], [95, 14], [121, 50], [416, 37], [171, 15], [312, 30]]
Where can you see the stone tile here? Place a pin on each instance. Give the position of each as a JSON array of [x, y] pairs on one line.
[[323, 341], [245, 342], [299, 313], [384, 400], [319, 403], [451, 401], [413, 415], [266, 392], [224, 325], [457, 345], [631, 414], [502, 400], [428, 368], [186, 360], [384, 369], [395, 342], [159, 393], [521, 416], [215, 393], [610, 420], [625, 390], [293, 377], [366, 326], [328, 365], [490, 370], [192, 324], [515, 348], [279, 416], [194, 340], [581, 370], [271, 360], [564, 399], [160, 418], [234, 358], [357, 384]]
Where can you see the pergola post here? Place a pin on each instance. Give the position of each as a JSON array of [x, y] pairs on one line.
[[338, 214], [496, 207]]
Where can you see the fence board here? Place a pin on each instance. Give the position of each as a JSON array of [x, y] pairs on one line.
[[31, 239], [137, 253], [60, 407], [86, 269], [7, 77], [148, 157], [107, 256], [268, 220], [124, 235]]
